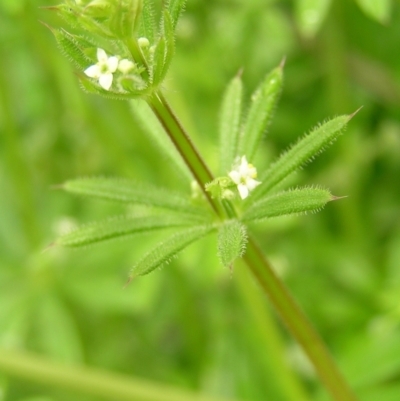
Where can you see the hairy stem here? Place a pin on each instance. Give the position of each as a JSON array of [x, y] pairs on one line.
[[184, 145], [298, 324], [289, 311]]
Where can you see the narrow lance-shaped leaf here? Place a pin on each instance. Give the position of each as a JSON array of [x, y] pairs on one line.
[[124, 18], [263, 102], [300, 153], [232, 239], [168, 33], [118, 227], [169, 248], [128, 191], [73, 48], [295, 201], [158, 61], [175, 8], [148, 26], [89, 86], [154, 130], [229, 124], [310, 14]]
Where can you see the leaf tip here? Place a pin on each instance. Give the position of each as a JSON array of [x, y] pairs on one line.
[[130, 278], [57, 186], [239, 73], [50, 28], [333, 197], [353, 114], [282, 63], [51, 245], [51, 8]]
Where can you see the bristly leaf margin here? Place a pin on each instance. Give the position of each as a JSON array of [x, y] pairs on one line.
[[232, 240], [302, 152], [117, 227], [229, 123], [263, 104], [175, 8], [293, 201], [168, 249], [129, 191]]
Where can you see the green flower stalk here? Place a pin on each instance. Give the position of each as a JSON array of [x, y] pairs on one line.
[[131, 62]]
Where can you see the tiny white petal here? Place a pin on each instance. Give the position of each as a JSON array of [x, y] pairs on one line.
[[243, 164], [251, 184], [105, 81], [93, 71], [243, 175], [101, 55], [243, 191], [112, 63], [235, 176]]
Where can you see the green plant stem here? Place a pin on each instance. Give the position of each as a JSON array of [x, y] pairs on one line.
[[96, 383], [289, 311], [184, 146], [298, 324]]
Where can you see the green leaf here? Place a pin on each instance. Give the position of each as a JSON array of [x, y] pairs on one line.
[[377, 9], [168, 249], [119, 226], [300, 153], [230, 116], [146, 119], [295, 201], [123, 18], [148, 25], [263, 102], [129, 191], [89, 18], [74, 48], [91, 87], [175, 8], [168, 33], [232, 239], [158, 61], [310, 14]]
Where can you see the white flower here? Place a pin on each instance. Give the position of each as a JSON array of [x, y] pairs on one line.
[[243, 175], [125, 65], [103, 70]]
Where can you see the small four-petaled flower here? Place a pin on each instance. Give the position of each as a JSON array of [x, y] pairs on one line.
[[104, 69], [243, 175], [106, 66]]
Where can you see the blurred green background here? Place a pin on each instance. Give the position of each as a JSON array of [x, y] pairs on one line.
[[193, 324]]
